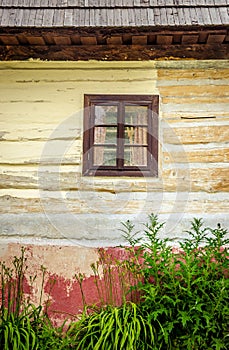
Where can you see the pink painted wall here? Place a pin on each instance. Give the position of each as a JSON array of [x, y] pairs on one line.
[[103, 278]]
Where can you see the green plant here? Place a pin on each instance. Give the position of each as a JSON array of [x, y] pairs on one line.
[[24, 326], [17, 314], [185, 293], [151, 297], [114, 328]]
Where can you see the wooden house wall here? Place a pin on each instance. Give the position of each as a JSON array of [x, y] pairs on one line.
[[45, 199]]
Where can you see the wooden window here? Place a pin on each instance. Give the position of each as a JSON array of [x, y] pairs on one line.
[[120, 135]]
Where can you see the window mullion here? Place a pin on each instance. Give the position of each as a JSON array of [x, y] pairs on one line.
[[120, 135]]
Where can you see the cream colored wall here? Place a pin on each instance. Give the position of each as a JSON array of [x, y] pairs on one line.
[[44, 198]]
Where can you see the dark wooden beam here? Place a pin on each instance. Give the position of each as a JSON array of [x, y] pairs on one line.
[[114, 52]]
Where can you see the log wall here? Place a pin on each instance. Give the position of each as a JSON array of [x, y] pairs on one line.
[[44, 197]]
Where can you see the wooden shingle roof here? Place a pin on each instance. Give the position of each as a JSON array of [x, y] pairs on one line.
[[113, 29], [96, 13]]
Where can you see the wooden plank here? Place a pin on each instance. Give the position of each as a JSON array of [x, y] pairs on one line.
[[12, 17], [38, 132], [157, 17], [78, 17], [110, 17], [88, 40], [92, 17], [206, 16], [96, 17], [72, 53], [76, 20], [216, 109], [117, 16], [215, 38], [73, 3], [194, 16], [150, 15], [138, 3], [5, 16], [58, 18], [170, 16], [214, 14], [187, 16], [221, 2], [125, 16], [25, 17], [31, 152], [32, 17], [18, 20], [35, 40], [163, 16], [139, 40], [181, 16], [144, 17], [199, 16], [114, 40], [131, 17], [68, 17], [120, 205], [164, 39], [209, 180], [192, 91], [197, 156], [62, 3], [9, 39], [127, 3], [48, 17], [62, 40], [119, 3], [202, 99], [39, 17], [194, 74], [223, 13], [204, 179], [86, 17], [43, 83], [196, 135], [1, 13], [34, 3], [193, 116]]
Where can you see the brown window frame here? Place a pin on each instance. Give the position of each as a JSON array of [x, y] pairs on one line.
[[151, 169]]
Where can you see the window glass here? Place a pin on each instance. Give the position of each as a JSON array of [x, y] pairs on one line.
[[120, 135], [105, 115]]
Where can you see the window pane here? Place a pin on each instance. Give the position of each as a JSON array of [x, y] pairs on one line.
[[103, 134], [136, 115], [104, 155], [105, 114], [135, 156], [136, 135]]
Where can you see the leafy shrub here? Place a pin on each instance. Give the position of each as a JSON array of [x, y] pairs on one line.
[[185, 292]]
